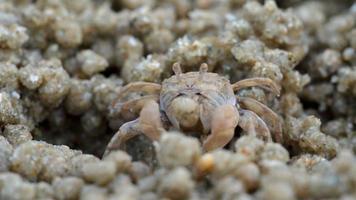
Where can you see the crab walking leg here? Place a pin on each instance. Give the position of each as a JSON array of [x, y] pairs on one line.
[[223, 124], [136, 105], [268, 115], [254, 125], [150, 120], [149, 88], [126, 132], [264, 83], [149, 123]]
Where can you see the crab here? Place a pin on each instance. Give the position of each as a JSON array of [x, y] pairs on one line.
[[198, 102]]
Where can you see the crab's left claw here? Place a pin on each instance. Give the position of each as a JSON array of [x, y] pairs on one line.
[[223, 124]]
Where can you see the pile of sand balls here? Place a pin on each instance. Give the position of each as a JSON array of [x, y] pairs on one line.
[[63, 63]]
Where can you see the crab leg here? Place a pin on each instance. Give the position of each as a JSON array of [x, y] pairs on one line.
[[268, 115], [264, 83], [133, 107], [254, 125], [223, 124], [149, 123], [126, 132], [149, 88]]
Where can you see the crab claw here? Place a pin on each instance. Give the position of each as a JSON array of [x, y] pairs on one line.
[[150, 120], [223, 126]]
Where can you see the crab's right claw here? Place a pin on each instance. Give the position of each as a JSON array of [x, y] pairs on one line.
[[150, 120]]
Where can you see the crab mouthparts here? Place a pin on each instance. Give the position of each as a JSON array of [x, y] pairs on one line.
[[190, 91]]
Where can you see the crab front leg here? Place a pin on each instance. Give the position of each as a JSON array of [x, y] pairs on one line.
[[254, 125], [126, 132], [149, 123], [147, 87], [130, 110], [223, 124], [268, 115]]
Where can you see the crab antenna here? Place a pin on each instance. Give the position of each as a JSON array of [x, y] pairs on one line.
[[203, 69], [177, 69]]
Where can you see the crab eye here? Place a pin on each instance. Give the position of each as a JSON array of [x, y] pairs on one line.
[[203, 68], [176, 69]]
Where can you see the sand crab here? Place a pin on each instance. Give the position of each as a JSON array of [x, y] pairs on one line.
[[202, 102]]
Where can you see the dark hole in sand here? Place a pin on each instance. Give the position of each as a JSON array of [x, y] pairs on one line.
[[69, 131]]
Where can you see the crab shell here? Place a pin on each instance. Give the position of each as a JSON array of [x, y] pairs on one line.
[[205, 90]]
